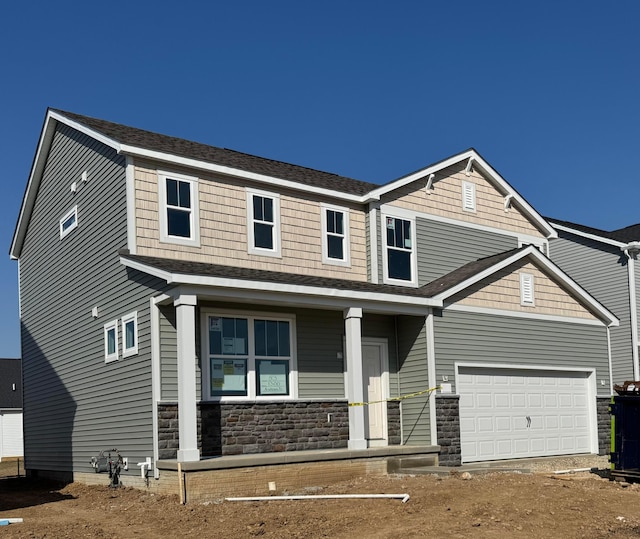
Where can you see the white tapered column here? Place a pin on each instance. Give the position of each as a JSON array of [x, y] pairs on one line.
[[355, 389], [187, 410]]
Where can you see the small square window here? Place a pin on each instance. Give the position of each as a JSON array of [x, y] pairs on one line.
[[69, 221], [111, 341], [130, 334]]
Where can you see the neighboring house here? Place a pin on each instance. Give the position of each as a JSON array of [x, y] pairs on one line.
[[181, 301], [10, 408], [604, 263]]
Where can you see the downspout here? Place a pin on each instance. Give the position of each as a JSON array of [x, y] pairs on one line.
[[631, 250], [431, 373], [610, 363], [131, 206]]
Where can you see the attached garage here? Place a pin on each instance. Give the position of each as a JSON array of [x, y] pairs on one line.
[[515, 413]]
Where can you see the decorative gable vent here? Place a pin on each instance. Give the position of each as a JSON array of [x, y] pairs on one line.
[[526, 289], [468, 196]]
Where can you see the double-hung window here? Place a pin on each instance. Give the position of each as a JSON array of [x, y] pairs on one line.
[[250, 356], [263, 210], [399, 250], [335, 235], [178, 209]]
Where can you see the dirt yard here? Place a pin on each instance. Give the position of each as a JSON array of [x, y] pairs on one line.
[[540, 505]]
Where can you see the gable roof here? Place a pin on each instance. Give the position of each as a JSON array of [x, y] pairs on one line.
[[140, 143], [433, 294], [621, 237]]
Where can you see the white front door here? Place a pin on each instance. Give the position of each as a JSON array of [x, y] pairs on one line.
[[375, 383]]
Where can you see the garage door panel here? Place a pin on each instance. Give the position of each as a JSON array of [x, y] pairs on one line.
[[505, 413]]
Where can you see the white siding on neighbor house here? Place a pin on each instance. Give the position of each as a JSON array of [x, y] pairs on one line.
[[11, 439], [602, 270]]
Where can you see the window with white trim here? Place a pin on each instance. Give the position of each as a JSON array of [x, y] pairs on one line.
[[178, 209], [249, 356], [335, 235], [468, 196], [399, 265], [263, 210], [111, 341], [69, 221], [130, 334], [526, 289]]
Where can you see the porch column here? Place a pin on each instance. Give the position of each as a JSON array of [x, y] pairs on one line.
[[355, 389], [186, 339]]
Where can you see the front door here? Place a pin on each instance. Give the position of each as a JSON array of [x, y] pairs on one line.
[[373, 370]]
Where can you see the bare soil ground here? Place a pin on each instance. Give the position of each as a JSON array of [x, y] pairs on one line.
[[540, 505]]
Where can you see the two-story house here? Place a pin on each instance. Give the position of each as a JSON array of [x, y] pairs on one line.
[[611, 277], [181, 301]]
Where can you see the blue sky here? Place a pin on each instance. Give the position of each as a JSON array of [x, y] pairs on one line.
[[548, 92]]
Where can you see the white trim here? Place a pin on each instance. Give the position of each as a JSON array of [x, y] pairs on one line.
[[469, 196], [131, 206], [523, 239], [563, 280], [385, 250], [194, 212], [587, 235], [276, 234], [610, 361], [109, 326], [245, 285], [252, 393], [156, 381], [478, 163], [520, 314], [346, 237], [373, 242], [592, 389], [126, 319], [431, 374], [73, 212], [527, 290]]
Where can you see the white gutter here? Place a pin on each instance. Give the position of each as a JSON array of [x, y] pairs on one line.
[[588, 235]]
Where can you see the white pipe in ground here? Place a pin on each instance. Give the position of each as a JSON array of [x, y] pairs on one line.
[[403, 497]]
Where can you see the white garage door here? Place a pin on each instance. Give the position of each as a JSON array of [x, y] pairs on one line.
[[508, 413]]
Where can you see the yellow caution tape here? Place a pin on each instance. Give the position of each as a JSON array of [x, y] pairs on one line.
[[403, 397]]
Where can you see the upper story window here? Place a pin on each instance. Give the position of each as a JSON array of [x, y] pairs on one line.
[[400, 251], [263, 210], [69, 221], [526, 289], [250, 356], [335, 235], [468, 196], [178, 209]]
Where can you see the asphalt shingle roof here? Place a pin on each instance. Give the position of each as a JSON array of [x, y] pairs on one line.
[[231, 272], [625, 235], [221, 156]]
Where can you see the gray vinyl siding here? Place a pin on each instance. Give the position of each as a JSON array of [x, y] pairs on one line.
[[602, 270], [444, 247], [168, 354], [414, 377], [74, 403], [483, 338]]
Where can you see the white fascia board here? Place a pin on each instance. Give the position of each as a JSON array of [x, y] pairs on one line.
[[566, 281], [229, 171], [488, 170], [593, 237], [86, 130], [263, 286]]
